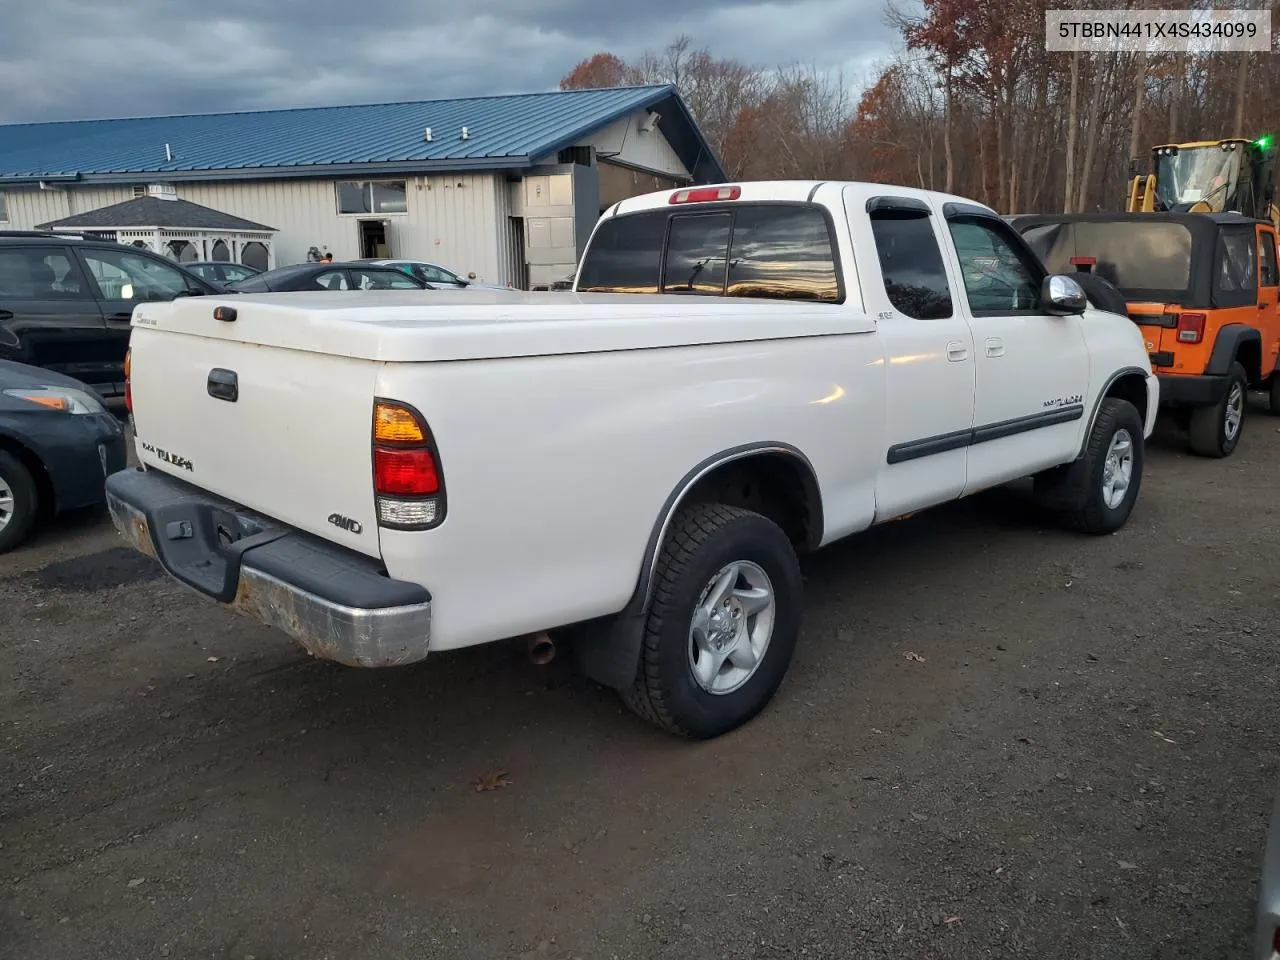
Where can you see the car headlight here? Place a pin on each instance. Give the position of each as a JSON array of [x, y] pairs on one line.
[[66, 399]]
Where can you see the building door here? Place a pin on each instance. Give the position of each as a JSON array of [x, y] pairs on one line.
[[517, 270], [375, 240]]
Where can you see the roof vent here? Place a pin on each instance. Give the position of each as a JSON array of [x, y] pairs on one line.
[[466, 133], [168, 154], [427, 135]]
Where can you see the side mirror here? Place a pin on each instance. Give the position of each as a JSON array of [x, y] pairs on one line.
[[1062, 296]]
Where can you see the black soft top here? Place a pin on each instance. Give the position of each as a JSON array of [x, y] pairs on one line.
[[1197, 260]]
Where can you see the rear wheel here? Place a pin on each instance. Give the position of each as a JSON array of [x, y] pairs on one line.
[[1215, 431], [1273, 395], [18, 502], [723, 624]]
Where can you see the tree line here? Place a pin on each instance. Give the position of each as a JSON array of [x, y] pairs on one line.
[[971, 104]]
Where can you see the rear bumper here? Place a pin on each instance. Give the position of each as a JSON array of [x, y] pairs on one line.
[[336, 603], [1191, 391]]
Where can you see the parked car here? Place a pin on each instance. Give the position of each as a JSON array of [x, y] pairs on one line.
[[58, 443], [434, 274], [1266, 937], [634, 473], [65, 303], [1203, 288], [329, 276], [220, 272]]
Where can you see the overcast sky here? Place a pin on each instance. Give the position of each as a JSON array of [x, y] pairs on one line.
[[72, 59]]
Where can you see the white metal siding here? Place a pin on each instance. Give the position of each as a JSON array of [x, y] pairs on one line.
[[454, 225], [28, 207], [623, 142]]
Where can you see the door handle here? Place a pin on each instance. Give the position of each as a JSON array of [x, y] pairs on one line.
[[223, 385], [956, 351], [995, 347]]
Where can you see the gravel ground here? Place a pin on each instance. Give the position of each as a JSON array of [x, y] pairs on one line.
[[997, 740]]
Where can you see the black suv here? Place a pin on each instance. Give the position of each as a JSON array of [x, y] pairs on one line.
[[65, 303]]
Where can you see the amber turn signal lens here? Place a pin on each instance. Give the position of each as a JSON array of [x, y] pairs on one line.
[[395, 424]]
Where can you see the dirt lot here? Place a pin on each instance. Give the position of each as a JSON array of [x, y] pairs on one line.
[[1082, 766]]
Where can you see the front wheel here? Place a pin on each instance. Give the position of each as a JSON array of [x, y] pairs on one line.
[[1113, 465], [723, 624], [18, 502], [1215, 431]]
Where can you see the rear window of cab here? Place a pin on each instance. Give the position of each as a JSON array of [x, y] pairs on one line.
[[779, 251]]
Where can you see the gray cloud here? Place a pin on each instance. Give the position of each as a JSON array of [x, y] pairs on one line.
[[70, 59]]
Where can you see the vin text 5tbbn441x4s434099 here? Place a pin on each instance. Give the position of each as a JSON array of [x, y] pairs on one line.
[[745, 372]]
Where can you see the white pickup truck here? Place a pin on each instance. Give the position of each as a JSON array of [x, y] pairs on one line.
[[742, 374]]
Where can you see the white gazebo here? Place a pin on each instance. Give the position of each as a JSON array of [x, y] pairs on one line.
[[179, 229]]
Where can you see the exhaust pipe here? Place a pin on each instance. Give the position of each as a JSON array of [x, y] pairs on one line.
[[542, 649]]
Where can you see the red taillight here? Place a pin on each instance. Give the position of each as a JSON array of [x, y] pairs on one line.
[[1084, 261], [405, 473], [705, 195], [407, 482], [128, 394], [1190, 327]]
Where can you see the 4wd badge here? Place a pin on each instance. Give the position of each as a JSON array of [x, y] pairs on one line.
[[345, 523]]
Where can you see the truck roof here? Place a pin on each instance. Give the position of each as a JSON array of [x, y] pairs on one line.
[[791, 191]]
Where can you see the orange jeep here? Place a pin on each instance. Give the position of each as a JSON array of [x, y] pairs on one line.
[[1203, 289]]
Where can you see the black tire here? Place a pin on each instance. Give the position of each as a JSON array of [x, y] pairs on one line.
[[702, 541], [1094, 515], [17, 480], [1273, 396], [1208, 430]]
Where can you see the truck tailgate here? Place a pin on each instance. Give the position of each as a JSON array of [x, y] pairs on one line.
[[284, 432]]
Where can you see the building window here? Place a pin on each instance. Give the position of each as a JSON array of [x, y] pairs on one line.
[[371, 196], [4, 214]]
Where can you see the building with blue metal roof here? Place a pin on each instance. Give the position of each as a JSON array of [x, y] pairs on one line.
[[505, 188]]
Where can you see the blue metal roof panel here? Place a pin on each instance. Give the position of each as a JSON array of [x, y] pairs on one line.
[[522, 126]]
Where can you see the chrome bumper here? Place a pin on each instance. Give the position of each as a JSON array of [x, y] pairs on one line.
[[335, 603]]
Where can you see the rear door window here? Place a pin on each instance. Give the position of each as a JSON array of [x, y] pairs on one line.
[[1237, 262], [1270, 275], [40, 273], [915, 279]]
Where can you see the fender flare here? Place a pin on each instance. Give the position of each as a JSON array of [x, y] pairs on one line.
[[608, 650], [1111, 381], [1227, 345]]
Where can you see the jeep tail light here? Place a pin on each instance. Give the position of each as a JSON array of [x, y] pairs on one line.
[[705, 195], [407, 483], [128, 394], [1190, 327]]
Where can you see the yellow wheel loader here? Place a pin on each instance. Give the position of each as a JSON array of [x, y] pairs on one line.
[[1208, 176]]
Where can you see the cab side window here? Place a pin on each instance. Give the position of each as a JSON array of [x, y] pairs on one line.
[[1270, 273], [911, 264], [997, 279]]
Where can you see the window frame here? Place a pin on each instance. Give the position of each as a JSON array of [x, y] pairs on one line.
[[668, 214], [368, 188], [963, 213], [4, 207]]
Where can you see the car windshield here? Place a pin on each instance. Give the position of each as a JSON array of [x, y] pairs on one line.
[[1197, 173], [1147, 259]]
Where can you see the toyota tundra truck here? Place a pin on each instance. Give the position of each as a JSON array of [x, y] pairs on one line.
[[742, 373]]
